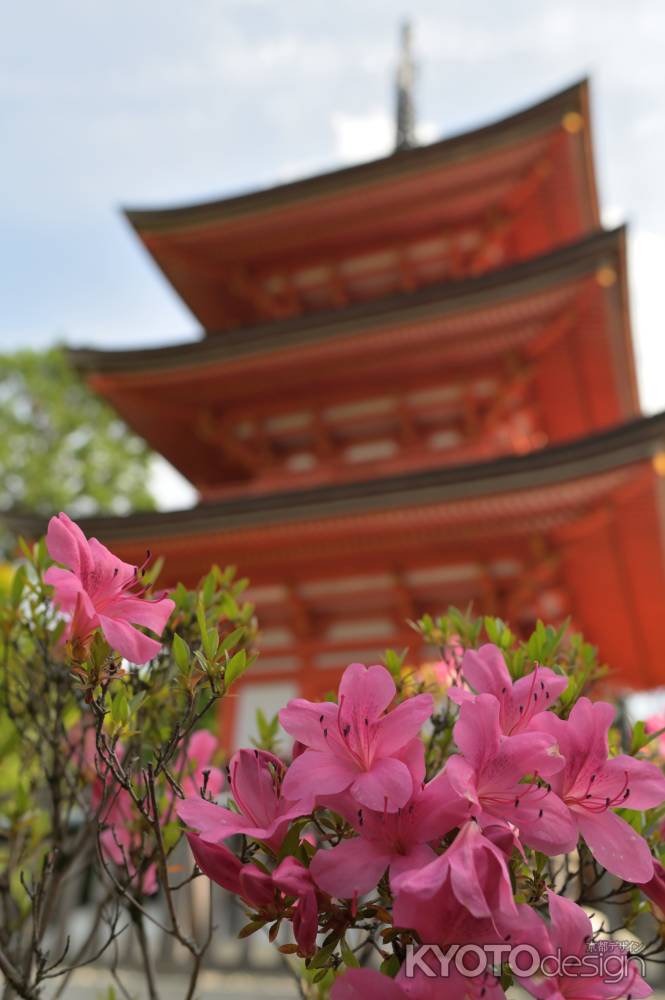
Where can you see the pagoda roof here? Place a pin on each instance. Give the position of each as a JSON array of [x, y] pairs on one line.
[[517, 281], [170, 394], [241, 258], [593, 507], [617, 447]]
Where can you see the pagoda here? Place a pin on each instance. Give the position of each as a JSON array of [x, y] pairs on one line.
[[415, 387]]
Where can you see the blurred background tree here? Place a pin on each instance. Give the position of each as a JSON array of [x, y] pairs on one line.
[[62, 448]]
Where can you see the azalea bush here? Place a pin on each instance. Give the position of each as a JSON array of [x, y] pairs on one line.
[[427, 830], [103, 726]]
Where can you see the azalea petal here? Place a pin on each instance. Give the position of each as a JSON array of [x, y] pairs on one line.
[[477, 732], [214, 823], [654, 889], [365, 984], [413, 755], [542, 820], [541, 687], [316, 772], [402, 865], [67, 587], [615, 845], [110, 572], [591, 721], [253, 785], [139, 611], [306, 721], [367, 690], [571, 928], [353, 866], [217, 862], [401, 725], [67, 544], [462, 780], [439, 808], [387, 785], [256, 886], [133, 645], [202, 748], [306, 922], [646, 782], [292, 877], [479, 875], [485, 670]]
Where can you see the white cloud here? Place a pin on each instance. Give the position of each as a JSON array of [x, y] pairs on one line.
[[361, 137], [170, 489], [646, 265]]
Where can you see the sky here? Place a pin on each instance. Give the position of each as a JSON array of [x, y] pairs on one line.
[[155, 102]]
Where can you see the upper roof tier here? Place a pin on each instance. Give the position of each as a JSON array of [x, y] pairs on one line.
[[453, 209], [501, 363]]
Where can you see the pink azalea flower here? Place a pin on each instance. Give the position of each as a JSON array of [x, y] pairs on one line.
[[247, 881], [654, 889], [356, 744], [569, 935], [655, 724], [295, 880], [463, 897], [592, 786], [264, 892], [368, 984], [98, 590], [196, 764], [397, 841], [256, 779], [489, 774], [486, 672], [465, 890]]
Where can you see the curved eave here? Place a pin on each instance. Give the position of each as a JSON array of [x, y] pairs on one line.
[[631, 443], [449, 151], [518, 280]]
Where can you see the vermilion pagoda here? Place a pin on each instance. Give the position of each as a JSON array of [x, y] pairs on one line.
[[416, 387]]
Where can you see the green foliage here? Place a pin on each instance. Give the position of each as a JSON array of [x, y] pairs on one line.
[[61, 447]]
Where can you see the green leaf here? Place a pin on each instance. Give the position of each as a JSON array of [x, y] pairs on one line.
[[348, 955], [201, 619], [119, 708], [236, 667], [291, 843], [390, 966], [324, 954], [136, 701], [251, 928], [232, 639], [18, 584], [212, 643], [209, 588], [171, 834], [181, 654]]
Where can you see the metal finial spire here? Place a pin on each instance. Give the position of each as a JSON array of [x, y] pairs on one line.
[[405, 132]]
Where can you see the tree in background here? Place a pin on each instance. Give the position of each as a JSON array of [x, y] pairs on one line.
[[62, 448]]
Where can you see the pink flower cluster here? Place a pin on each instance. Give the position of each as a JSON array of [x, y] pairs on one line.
[[519, 777]]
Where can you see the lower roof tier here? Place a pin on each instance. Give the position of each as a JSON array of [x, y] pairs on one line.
[[573, 530], [535, 354]]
